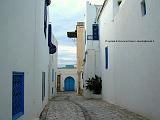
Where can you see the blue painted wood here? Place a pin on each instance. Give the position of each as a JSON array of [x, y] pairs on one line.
[[106, 51], [52, 74], [69, 84], [17, 94], [95, 31], [52, 47]]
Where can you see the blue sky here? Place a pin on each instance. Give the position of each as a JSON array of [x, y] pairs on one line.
[[64, 15]]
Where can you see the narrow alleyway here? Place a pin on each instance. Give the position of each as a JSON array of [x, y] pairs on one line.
[[69, 106]]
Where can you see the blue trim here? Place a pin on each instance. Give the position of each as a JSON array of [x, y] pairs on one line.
[[49, 34], [69, 84], [43, 85], [17, 94], [95, 30], [52, 75], [143, 8], [45, 20], [17, 115], [52, 47], [55, 75], [106, 53]]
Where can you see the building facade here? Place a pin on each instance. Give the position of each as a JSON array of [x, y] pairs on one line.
[[130, 47], [24, 58], [67, 79], [52, 74], [91, 65], [80, 54]]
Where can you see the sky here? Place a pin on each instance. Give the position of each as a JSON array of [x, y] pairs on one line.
[[64, 15]]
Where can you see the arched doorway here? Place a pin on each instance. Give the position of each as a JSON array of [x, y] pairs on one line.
[[69, 84]]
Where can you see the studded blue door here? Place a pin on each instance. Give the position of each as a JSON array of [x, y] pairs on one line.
[[17, 95], [69, 84]]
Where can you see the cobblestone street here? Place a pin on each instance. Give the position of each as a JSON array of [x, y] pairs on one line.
[[69, 106]]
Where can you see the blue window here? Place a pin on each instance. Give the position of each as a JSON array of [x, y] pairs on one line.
[[17, 94], [55, 75], [52, 90], [95, 32], [45, 20], [143, 8], [43, 85], [52, 47], [52, 74], [106, 53]]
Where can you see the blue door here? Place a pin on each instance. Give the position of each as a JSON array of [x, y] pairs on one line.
[[69, 84], [17, 95]]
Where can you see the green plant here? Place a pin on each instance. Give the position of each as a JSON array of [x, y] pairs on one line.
[[94, 84]]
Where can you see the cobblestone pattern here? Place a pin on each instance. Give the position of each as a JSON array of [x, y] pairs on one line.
[[61, 108], [69, 106]]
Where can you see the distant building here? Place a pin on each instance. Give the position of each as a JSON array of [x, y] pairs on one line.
[[79, 34], [80, 54], [69, 66], [25, 47], [67, 79]]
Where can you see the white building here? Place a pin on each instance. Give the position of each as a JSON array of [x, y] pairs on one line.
[[67, 78], [130, 65], [92, 53], [24, 58], [53, 71]]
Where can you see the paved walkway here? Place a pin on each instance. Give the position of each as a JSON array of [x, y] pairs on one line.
[[69, 106]]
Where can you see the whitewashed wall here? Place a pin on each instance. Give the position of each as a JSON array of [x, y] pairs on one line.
[[132, 79], [66, 73], [53, 66], [92, 63], [92, 48], [90, 17], [23, 48]]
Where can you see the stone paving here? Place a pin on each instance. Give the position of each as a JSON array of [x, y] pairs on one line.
[[69, 106]]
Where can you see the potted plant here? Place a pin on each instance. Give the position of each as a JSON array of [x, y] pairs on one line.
[[94, 84]]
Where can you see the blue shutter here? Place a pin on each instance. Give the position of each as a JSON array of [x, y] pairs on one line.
[[43, 85], [95, 31], [45, 20], [17, 95], [52, 74], [143, 8], [106, 53], [52, 47], [55, 75], [49, 34]]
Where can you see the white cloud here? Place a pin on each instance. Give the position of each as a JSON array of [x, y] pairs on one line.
[[97, 2], [64, 14], [67, 55], [67, 49], [66, 8]]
